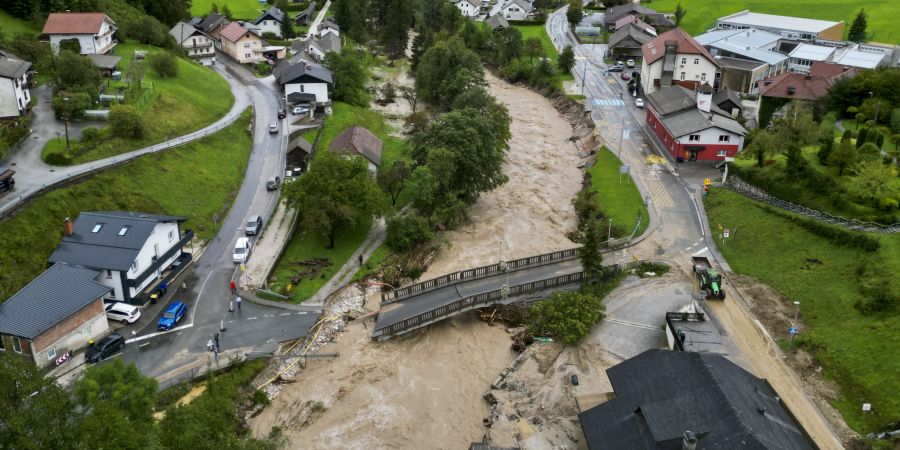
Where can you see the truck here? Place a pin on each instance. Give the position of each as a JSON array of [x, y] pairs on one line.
[[709, 279], [6, 179]]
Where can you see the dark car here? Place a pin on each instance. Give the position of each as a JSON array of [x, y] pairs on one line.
[[108, 346], [281, 114], [574, 380], [273, 183], [173, 314], [254, 225]]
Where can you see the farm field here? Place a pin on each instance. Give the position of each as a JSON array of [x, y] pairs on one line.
[[240, 9]]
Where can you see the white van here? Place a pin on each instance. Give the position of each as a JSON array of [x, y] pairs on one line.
[[242, 250]]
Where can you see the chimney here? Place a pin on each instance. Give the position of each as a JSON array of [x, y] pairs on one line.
[[704, 97], [689, 441], [68, 227]]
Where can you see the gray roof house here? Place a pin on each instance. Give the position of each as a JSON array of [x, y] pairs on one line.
[[50, 315], [198, 45], [303, 17], [673, 400], [360, 141], [627, 41], [304, 82], [497, 22], [14, 94]]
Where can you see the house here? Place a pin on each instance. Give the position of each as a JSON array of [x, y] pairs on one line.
[[298, 152], [665, 399], [57, 312], [516, 9], [198, 45], [627, 41], [804, 55], [357, 140], [303, 17], [106, 63], [241, 44], [632, 19], [778, 91], [651, 17], [832, 71], [329, 26], [744, 56], [317, 47], [93, 32], [270, 21], [691, 127], [793, 28], [14, 94], [728, 101], [213, 25], [129, 250], [468, 8], [497, 22], [674, 57], [304, 82]]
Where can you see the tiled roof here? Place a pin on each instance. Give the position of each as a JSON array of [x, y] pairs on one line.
[[832, 70], [656, 48], [793, 85], [11, 66], [233, 32], [357, 139], [74, 23], [181, 31], [629, 30]]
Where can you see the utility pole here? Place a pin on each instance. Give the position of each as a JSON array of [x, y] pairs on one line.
[[622, 138]]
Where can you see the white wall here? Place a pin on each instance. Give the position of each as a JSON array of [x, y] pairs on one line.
[[113, 280], [514, 12], [89, 42], [97, 327], [692, 71], [314, 52], [329, 30], [467, 9], [270, 26], [164, 237], [320, 89], [14, 95], [710, 136]]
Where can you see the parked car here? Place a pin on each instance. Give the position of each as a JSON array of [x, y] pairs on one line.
[[254, 225], [172, 316], [630, 63], [639, 102], [298, 110], [241, 250], [273, 183], [122, 312], [106, 347], [273, 127], [616, 68], [625, 76], [281, 114]]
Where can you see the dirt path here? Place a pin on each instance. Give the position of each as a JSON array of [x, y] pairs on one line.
[[532, 212]]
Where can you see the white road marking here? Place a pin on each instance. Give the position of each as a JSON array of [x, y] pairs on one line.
[[284, 314], [633, 324], [702, 250], [252, 318], [302, 313], [148, 336], [200, 296]]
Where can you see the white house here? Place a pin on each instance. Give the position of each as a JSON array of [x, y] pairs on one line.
[[270, 21], [468, 8], [94, 32], [304, 82], [674, 57], [516, 9], [803, 56], [317, 47], [196, 43], [14, 94], [130, 250], [329, 26]]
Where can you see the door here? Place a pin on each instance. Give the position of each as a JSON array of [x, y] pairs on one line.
[[693, 155]]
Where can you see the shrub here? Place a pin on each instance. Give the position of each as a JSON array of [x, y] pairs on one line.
[[164, 64], [846, 136], [124, 121], [58, 159], [90, 134], [407, 230], [861, 137]]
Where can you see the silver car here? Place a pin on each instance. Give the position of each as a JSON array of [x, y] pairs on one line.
[[254, 224]]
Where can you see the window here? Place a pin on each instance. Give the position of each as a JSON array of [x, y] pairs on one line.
[[246, 55], [134, 266], [694, 138], [696, 61], [171, 235], [51, 354], [302, 88], [246, 45], [703, 76], [109, 274], [123, 230], [722, 153], [682, 76], [724, 138], [2, 348], [86, 331], [17, 345], [683, 61], [97, 228]]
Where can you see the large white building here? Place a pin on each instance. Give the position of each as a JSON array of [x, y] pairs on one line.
[[94, 32], [304, 82], [674, 57], [794, 28], [14, 94], [744, 56]]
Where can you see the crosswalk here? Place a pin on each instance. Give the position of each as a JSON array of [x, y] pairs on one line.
[[659, 194], [598, 102]]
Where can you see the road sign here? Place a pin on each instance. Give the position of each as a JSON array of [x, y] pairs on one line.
[[707, 182], [793, 330], [867, 407], [624, 169], [726, 233]]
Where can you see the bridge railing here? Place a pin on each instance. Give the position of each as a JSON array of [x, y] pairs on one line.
[[493, 297], [475, 274]]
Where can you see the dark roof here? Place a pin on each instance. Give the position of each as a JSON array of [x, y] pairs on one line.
[[301, 144], [617, 12], [328, 22], [677, 108], [660, 394], [105, 249], [59, 292], [671, 100], [74, 23], [795, 85], [328, 42], [182, 31], [497, 21], [726, 95], [272, 13], [306, 12], [301, 72], [357, 139], [211, 22], [108, 62], [629, 31], [11, 66], [656, 48]]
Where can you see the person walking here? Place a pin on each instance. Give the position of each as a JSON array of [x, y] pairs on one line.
[[217, 339], [233, 286], [360, 259], [238, 301]]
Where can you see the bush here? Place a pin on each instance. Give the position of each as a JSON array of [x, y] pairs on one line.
[[90, 134], [164, 64], [58, 159], [566, 316], [846, 136], [124, 121], [407, 230]]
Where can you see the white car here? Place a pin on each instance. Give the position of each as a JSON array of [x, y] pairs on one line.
[[122, 312], [298, 110], [241, 250], [639, 102], [630, 63], [273, 127]]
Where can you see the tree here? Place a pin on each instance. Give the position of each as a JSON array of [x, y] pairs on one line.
[[895, 120], [447, 69], [573, 15], [35, 412], [287, 28], [214, 8], [846, 135], [351, 15], [410, 94], [761, 146], [164, 64], [795, 160], [826, 146], [566, 60], [869, 152], [843, 157], [407, 230], [168, 12], [591, 245], [71, 105], [861, 137], [392, 178], [680, 12], [533, 48], [339, 194], [394, 33], [125, 121], [565, 315], [860, 117], [896, 140], [507, 45], [349, 77], [76, 73], [852, 110], [226, 12], [874, 180], [857, 31]]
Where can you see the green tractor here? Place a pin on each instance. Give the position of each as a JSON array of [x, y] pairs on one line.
[[710, 279]]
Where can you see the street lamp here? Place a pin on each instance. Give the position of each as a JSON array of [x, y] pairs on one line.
[[793, 329], [504, 290]]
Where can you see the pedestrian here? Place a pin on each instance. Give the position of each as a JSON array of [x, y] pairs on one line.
[[238, 301], [360, 259], [163, 287], [209, 345], [217, 339], [233, 286], [183, 287]]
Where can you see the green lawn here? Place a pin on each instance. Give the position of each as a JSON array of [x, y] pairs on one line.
[[171, 107], [540, 32], [860, 352], [619, 201], [198, 181], [11, 26], [702, 14], [240, 9], [345, 116]]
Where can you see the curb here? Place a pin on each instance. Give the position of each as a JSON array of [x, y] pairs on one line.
[[252, 298]]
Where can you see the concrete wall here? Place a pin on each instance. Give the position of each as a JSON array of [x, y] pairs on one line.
[[71, 334]]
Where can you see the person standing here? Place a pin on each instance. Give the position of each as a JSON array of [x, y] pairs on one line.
[[233, 286], [238, 301], [217, 340]]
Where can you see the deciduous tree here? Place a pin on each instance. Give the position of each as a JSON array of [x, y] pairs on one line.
[[406, 230], [680, 12], [392, 179], [567, 316], [573, 15], [533, 48], [125, 121], [35, 413], [874, 180], [566, 60], [349, 76], [843, 157], [164, 64], [447, 69]]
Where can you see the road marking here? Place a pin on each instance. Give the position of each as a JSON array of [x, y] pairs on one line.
[[302, 313], [160, 333], [284, 314], [659, 193], [598, 102], [144, 345], [632, 324], [252, 318], [702, 250], [200, 296]]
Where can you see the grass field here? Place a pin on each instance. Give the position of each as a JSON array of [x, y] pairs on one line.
[[240, 9], [860, 352], [198, 181], [620, 202], [11, 26], [702, 14], [540, 32], [170, 107]]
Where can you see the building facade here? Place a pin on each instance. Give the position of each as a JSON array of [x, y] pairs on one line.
[[241, 44], [94, 32], [198, 45], [468, 8], [674, 57], [14, 94], [793, 28]]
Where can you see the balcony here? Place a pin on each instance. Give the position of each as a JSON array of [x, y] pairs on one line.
[[105, 50]]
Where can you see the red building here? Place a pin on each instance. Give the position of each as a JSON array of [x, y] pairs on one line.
[[691, 127]]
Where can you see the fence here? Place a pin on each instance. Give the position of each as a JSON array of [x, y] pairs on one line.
[[89, 168], [748, 190], [497, 296]]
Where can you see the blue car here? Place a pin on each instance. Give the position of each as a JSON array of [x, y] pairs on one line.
[[173, 314]]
